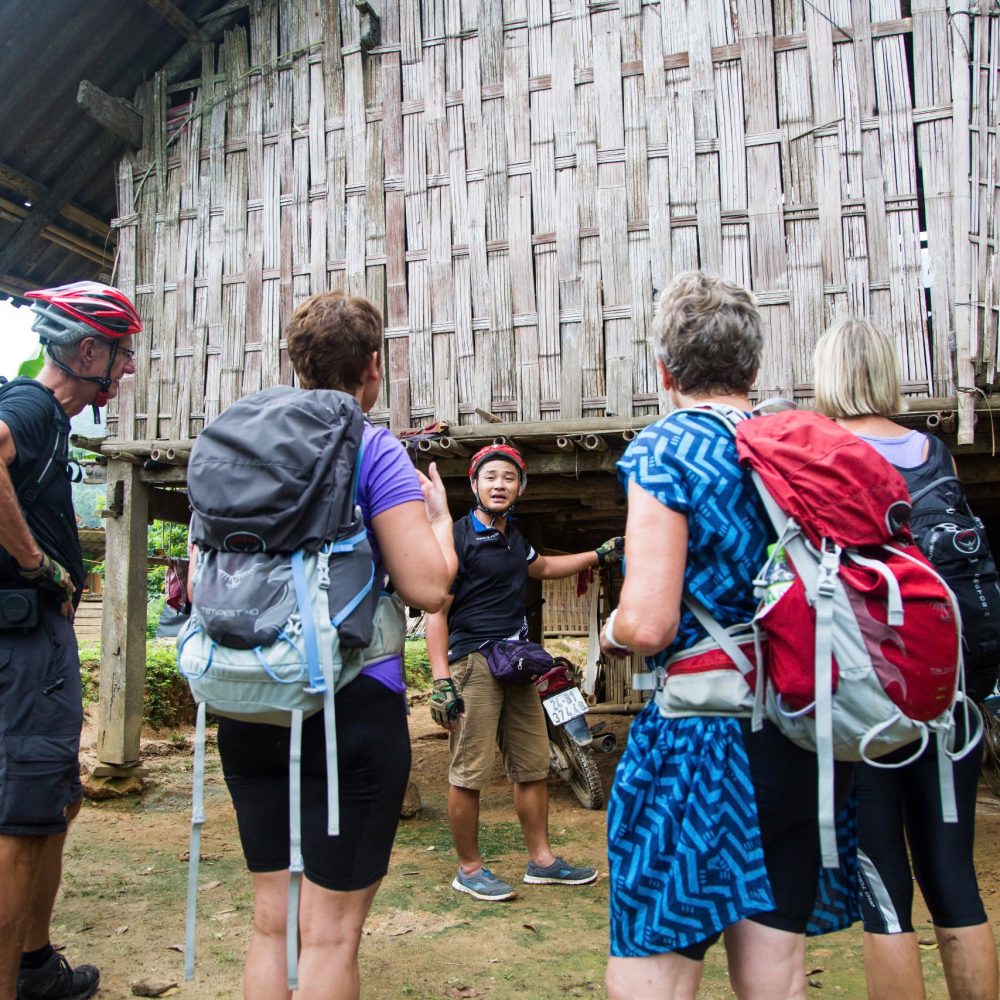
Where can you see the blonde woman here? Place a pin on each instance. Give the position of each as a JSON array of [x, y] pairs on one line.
[[857, 384]]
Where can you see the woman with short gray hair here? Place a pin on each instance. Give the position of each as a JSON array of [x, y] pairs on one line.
[[712, 829]]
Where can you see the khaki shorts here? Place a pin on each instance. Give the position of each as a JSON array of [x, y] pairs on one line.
[[496, 715]]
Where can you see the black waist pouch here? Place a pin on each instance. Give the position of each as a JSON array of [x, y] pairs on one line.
[[18, 608]]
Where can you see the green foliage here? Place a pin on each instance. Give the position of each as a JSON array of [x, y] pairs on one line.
[[154, 608], [90, 668], [416, 665], [156, 582], [167, 539], [168, 698], [32, 366], [168, 701]]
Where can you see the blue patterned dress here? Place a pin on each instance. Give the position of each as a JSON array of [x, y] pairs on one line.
[[684, 844]]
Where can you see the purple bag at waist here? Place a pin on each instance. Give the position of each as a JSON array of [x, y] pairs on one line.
[[517, 662]]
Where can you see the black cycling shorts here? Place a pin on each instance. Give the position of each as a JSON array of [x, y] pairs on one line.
[[903, 806], [373, 754], [785, 785], [41, 712]]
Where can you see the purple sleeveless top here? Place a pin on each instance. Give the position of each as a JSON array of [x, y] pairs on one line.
[[386, 478], [904, 452]]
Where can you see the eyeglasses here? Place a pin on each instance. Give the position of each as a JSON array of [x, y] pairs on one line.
[[128, 352]]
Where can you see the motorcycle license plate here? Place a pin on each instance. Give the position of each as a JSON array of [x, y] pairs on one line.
[[564, 706]]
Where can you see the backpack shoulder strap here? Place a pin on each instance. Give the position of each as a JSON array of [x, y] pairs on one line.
[[49, 462], [944, 467]]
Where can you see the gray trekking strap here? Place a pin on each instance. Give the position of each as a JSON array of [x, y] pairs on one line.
[[194, 852], [729, 646], [295, 862], [826, 588]]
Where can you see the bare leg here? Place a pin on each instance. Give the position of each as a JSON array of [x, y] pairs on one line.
[[43, 898], [266, 974], [531, 801], [764, 963], [892, 967], [331, 924], [659, 977], [969, 957], [19, 861], [463, 815]]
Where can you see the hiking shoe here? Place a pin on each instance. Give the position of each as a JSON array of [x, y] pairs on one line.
[[559, 873], [57, 980], [483, 884]]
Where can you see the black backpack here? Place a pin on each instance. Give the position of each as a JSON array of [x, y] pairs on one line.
[[955, 542]]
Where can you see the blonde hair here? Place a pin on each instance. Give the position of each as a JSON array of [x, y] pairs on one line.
[[706, 331], [855, 372]]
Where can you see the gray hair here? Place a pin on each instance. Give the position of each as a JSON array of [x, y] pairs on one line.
[[706, 331]]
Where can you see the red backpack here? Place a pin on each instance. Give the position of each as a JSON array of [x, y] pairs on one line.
[[859, 637]]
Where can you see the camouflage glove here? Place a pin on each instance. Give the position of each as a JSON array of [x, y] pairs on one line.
[[446, 702], [611, 552], [51, 577]]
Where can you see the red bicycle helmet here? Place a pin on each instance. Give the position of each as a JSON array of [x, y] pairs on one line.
[[505, 453], [67, 314]]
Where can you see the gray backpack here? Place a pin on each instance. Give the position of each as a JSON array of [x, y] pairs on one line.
[[284, 590]]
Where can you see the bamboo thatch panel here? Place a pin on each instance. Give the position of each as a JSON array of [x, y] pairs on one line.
[[512, 183]]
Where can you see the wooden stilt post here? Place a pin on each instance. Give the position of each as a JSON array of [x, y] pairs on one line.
[[123, 629]]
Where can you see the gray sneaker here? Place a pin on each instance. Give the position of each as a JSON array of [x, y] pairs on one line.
[[559, 873], [483, 884]]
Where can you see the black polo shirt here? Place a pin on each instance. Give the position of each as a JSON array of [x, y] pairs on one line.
[[489, 586], [33, 416]]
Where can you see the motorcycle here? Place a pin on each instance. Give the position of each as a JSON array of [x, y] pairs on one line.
[[571, 739]]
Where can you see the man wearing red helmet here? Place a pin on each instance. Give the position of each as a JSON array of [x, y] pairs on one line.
[[487, 605], [86, 330]]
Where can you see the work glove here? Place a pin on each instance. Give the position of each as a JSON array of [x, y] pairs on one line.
[[446, 702], [50, 576], [611, 552]]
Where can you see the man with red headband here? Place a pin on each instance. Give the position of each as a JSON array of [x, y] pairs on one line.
[[86, 330], [487, 605]]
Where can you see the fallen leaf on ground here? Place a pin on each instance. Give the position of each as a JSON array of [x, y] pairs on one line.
[[814, 972], [815, 984], [175, 947], [927, 945], [461, 991], [530, 927], [154, 988], [122, 929], [400, 933], [209, 885]]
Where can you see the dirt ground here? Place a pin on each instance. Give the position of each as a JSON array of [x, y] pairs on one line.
[[122, 906]]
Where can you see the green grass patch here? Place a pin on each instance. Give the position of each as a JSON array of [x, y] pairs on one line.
[[167, 699], [416, 665]]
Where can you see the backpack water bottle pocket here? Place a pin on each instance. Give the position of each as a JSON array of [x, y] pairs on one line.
[[353, 590]]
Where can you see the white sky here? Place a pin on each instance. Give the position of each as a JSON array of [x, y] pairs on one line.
[[17, 341]]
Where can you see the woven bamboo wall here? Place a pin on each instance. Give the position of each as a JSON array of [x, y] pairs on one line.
[[512, 182]]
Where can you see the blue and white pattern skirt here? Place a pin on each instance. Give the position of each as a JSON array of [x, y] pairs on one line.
[[684, 845]]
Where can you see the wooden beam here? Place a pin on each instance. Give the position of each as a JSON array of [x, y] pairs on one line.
[[175, 17], [114, 114], [169, 505], [58, 195], [123, 628], [32, 191], [13, 212], [189, 54], [13, 284]]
